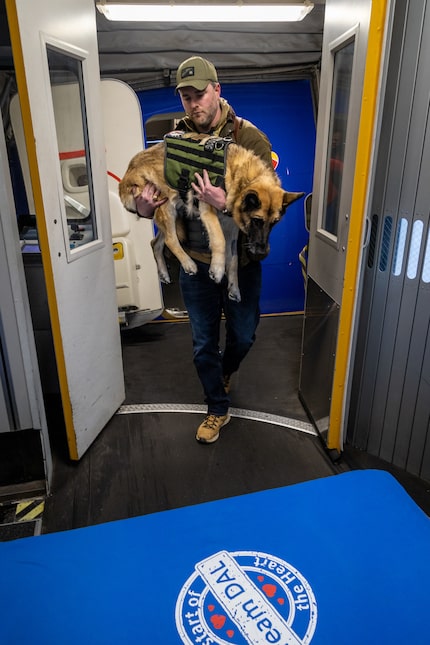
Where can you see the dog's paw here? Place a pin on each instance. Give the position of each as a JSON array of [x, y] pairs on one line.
[[164, 277], [190, 267], [216, 272], [234, 293]]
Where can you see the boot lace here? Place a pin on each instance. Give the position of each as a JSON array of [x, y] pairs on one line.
[[211, 422]]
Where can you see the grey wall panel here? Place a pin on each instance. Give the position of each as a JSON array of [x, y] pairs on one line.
[[397, 421], [413, 415], [391, 149], [412, 425], [412, 326], [389, 412], [365, 371], [400, 399], [418, 459], [387, 336], [420, 455]]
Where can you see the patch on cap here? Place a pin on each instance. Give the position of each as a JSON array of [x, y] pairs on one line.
[[187, 72]]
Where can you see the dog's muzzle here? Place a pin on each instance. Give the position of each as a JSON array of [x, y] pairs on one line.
[[257, 243], [257, 252]]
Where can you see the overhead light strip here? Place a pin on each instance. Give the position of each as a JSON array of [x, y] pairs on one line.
[[205, 13]]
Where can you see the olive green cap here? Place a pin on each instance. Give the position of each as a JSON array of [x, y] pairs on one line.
[[196, 72]]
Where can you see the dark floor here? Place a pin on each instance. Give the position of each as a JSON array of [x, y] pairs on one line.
[[148, 462]]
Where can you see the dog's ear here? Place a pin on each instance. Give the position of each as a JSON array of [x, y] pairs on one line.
[[290, 198], [251, 201]]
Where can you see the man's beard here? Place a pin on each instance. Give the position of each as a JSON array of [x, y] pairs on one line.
[[203, 121]]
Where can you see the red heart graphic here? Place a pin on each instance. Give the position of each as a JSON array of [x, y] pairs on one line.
[[260, 578], [269, 590], [230, 633], [281, 601], [218, 621], [211, 607]]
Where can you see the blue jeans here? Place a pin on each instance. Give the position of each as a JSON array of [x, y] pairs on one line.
[[205, 301]]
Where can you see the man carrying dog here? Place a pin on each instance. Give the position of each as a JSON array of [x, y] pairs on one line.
[[205, 300]]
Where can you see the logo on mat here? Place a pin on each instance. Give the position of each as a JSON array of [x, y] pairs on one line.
[[245, 598]]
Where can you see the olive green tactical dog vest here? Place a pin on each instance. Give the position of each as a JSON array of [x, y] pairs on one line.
[[185, 156]]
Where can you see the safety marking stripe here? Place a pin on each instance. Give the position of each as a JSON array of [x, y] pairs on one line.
[[29, 510], [251, 415]]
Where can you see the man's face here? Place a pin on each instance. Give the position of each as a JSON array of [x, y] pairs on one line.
[[202, 106]]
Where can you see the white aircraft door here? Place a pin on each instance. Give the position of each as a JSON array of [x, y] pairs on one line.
[[339, 185], [55, 43]]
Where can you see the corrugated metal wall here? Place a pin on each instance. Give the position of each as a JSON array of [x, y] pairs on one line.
[[390, 396]]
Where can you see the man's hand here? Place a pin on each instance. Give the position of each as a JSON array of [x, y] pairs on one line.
[[148, 201], [205, 192]]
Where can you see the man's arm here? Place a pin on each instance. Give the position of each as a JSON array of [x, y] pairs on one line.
[[250, 137]]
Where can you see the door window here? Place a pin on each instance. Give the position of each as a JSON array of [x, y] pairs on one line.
[[66, 78], [341, 90]]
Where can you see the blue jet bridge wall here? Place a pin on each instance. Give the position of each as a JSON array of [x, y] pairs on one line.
[[284, 111]]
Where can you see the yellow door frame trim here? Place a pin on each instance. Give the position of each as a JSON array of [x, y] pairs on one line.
[[357, 220], [24, 100]]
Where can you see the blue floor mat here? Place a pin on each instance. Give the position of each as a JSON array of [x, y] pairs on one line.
[[342, 560]]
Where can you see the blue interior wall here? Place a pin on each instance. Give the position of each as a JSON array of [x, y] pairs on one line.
[[284, 111]]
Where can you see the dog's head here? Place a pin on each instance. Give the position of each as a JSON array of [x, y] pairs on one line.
[[257, 210], [132, 183]]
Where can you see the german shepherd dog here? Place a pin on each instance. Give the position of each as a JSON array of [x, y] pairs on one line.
[[254, 199]]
